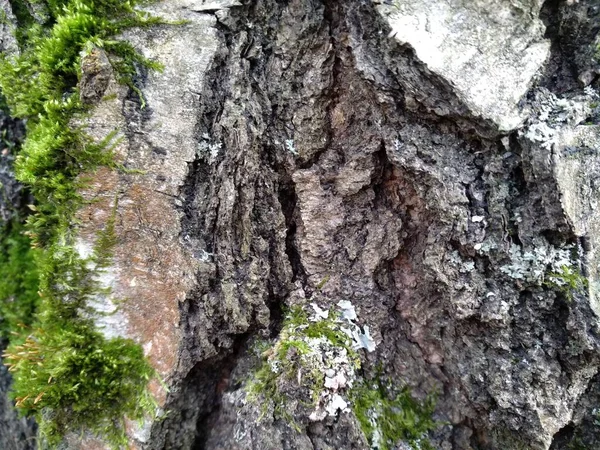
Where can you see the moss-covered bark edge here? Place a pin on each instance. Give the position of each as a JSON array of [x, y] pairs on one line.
[[66, 373]]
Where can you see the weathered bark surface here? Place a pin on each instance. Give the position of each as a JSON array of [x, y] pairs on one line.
[[430, 161], [12, 197], [12, 131]]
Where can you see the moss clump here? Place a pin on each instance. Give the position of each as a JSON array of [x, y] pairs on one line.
[[295, 366], [329, 328], [387, 419], [19, 282], [73, 380], [568, 280], [66, 373]]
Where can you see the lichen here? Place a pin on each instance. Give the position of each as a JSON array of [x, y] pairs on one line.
[[552, 113], [67, 374], [532, 264], [208, 150], [316, 357], [543, 265]]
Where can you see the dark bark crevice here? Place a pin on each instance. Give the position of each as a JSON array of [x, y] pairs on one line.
[[572, 29]]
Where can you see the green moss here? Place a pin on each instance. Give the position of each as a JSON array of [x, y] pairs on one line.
[[19, 282], [386, 419], [66, 373], [323, 282], [568, 281], [73, 379], [264, 388], [297, 320]]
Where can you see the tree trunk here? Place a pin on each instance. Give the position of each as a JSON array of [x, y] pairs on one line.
[[433, 163]]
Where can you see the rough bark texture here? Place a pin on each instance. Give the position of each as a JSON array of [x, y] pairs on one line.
[[434, 163], [12, 197]]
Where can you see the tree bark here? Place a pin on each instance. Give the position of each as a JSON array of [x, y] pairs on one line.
[[433, 163]]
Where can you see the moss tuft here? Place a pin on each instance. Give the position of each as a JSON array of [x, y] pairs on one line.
[[74, 380], [66, 373], [386, 419], [569, 281], [19, 282], [295, 366]]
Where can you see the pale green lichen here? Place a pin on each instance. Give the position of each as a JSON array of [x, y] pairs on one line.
[[548, 266], [532, 264], [309, 353]]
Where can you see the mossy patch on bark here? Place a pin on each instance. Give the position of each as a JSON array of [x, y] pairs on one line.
[[19, 282], [67, 374], [312, 371], [387, 418]]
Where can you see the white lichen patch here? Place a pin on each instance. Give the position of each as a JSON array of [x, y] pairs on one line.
[[489, 51], [457, 261], [290, 147], [102, 306], [532, 264], [348, 310], [215, 5], [208, 149], [553, 114], [320, 314], [337, 369], [363, 338]]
